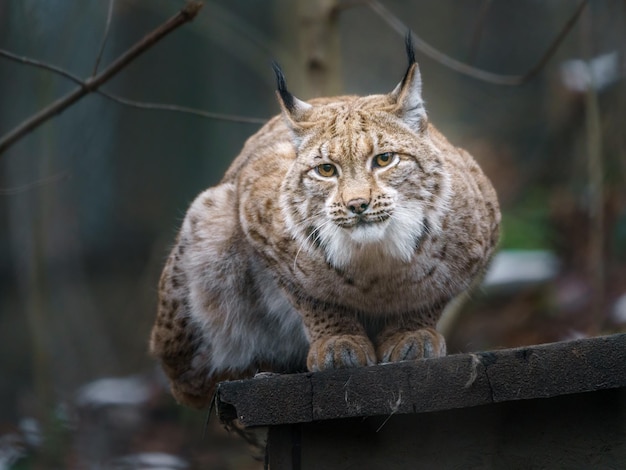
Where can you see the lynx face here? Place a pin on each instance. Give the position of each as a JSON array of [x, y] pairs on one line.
[[359, 191]]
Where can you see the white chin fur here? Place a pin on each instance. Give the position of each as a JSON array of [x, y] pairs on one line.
[[393, 240], [370, 233]]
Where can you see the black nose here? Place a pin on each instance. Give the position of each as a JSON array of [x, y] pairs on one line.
[[358, 206]]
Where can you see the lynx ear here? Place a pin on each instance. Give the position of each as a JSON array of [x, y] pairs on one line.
[[408, 94], [293, 108]]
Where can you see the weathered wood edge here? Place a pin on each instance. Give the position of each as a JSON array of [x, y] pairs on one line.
[[456, 381]]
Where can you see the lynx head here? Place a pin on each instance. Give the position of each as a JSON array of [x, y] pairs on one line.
[[367, 180]]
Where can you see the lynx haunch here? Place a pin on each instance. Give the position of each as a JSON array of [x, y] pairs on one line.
[[335, 239]]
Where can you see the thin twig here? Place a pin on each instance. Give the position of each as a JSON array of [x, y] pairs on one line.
[[348, 4], [189, 11], [131, 103], [478, 30], [105, 37], [183, 109], [28, 186], [41, 65], [496, 79], [595, 173]]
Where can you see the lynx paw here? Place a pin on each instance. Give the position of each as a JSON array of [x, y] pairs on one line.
[[412, 345], [338, 352]]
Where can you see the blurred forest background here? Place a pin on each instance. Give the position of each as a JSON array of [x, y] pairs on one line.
[[91, 200]]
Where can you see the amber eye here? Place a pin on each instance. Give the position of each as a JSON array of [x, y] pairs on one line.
[[326, 170], [383, 159]]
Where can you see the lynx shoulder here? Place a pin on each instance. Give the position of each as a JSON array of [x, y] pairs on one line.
[[335, 239]]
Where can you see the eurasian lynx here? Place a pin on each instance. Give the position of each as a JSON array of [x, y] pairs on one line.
[[334, 240]]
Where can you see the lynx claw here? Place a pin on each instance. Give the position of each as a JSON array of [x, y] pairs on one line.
[[265, 375], [339, 352], [412, 345]]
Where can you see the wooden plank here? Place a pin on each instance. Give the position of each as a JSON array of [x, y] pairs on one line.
[[457, 381], [409, 387], [278, 399], [557, 369], [578, 431]]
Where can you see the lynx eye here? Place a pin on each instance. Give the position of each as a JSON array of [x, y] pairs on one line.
[[326, 170], [383, 159]]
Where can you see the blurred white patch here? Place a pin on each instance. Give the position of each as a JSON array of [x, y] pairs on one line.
[[574, 335], [31, 430], [114, 391], [579, 75], [11, 450], [619, 310], [150, 460], [514, 267]]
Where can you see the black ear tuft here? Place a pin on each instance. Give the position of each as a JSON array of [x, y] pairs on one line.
[[288, 99], [410, 52], [408, 93]]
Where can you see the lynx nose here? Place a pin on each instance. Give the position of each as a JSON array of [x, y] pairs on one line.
[[358, 206]]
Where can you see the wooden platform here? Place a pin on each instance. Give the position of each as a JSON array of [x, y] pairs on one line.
[[560, 405]]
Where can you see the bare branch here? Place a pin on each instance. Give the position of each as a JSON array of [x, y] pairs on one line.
[[189, 11], [497, 79], [126, 102], [105, 37], [187, 14], [182, 109], [557, 41]]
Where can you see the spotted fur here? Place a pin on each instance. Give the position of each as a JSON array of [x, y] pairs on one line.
[[282, 268]]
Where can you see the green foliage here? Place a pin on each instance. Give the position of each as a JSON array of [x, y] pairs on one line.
[[527, 224]]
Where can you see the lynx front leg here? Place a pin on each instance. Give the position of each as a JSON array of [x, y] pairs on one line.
[[409, 339], [338, 340]]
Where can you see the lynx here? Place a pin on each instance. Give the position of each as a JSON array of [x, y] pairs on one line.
[[334, 240]]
